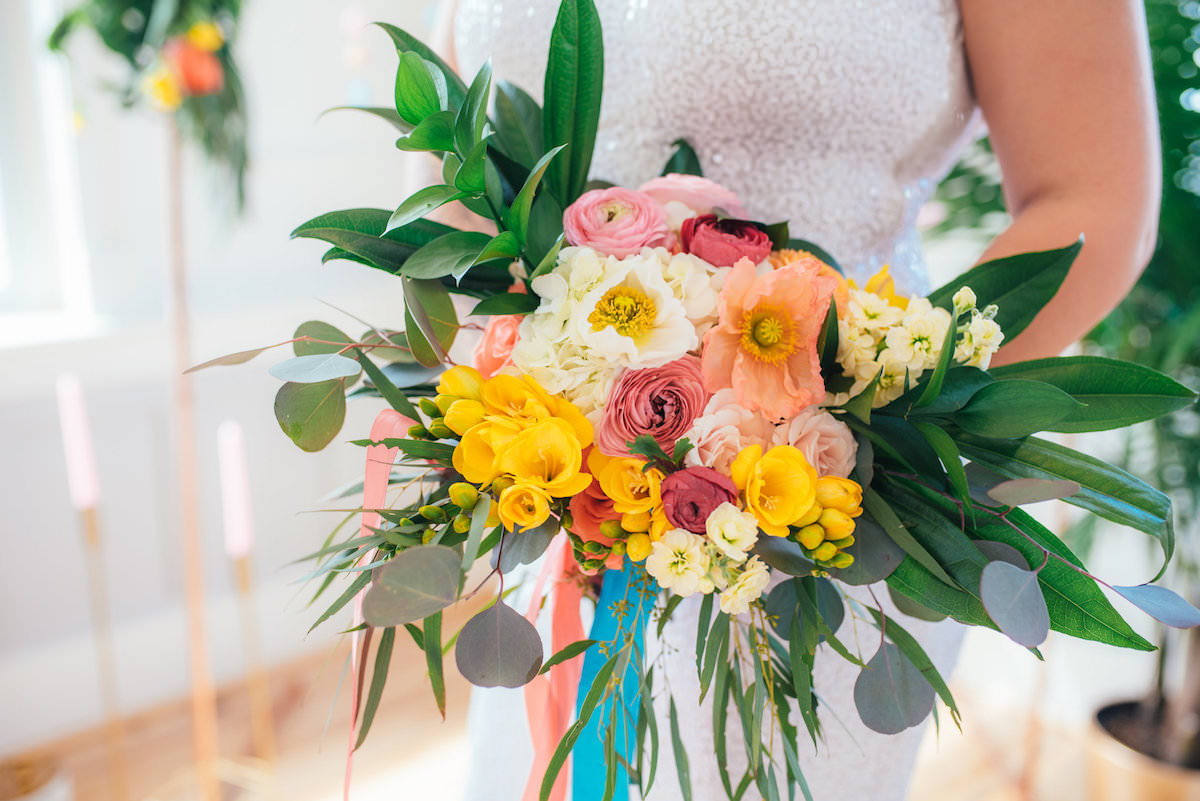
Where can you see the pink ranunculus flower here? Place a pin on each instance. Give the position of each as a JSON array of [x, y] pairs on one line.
[[659, 401], [764, 345], [691, 494], [616, 222], [699, 194], [824, 440], [724, 430], [495, 347]]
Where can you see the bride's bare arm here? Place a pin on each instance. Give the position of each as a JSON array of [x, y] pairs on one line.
[[1066, 88]]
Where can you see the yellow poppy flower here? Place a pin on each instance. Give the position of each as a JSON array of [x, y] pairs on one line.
[[633, 490], [548, 455]]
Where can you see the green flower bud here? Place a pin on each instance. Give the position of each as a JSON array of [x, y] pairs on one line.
[[439, 429], [594, 548], [462, 523], [825, 552], [612, 529], [429, 407], [427, 536], [618, 548], [430, 512], [842, 560], [443, 403], [418, 432], [464, 495]]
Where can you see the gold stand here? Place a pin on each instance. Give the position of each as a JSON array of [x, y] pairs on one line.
[[262, 725]]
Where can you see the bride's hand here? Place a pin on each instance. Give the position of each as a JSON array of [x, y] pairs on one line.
[[1067, 91]]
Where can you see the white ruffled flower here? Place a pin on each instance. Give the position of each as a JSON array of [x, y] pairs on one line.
[[964, 300], [677, 212], [732, 531], [985, 336], [679, 562], [691, 279], [917, 341], [870, 312], [746, 589]]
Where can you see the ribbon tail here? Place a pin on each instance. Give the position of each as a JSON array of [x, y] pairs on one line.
[[378, 472], [550, 699], [590, 769]]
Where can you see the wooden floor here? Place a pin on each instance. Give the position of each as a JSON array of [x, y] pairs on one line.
[[414, 754]]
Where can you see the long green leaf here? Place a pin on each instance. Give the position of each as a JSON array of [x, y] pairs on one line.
[[383, 658], [934, 387], [518, 124], [432, 641], [394, 397], [943, 445], [431, 324], [574, 83], [1019, 285], [681, 759], [586, 709], [455, 251], [1106, 490], [363, 233], [355, 587], [1116, 393], [882, 512], [517, 216]]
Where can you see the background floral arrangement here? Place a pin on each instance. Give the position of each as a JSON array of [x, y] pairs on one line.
[[180, 60], [671, 399]]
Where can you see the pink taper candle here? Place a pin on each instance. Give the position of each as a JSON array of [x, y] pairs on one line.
[[82, 477], [235, 490]]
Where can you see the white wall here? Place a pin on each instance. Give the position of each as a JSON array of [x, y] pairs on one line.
[[249, 286]]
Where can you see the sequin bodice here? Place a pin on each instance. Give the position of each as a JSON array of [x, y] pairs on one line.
[[838, 115]]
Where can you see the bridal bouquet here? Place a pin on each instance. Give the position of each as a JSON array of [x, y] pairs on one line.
[[670, 399]]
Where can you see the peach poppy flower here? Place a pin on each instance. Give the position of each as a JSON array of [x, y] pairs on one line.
[[765, 344], [786, 256]]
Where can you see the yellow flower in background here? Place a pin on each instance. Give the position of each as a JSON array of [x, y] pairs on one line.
[[206, 36], [161, 86], [523, 506], [779, 486], [547, 455], [633, 490], [460, 382], [883, 285]]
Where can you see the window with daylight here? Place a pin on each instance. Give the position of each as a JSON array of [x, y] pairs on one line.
[[43, 264]]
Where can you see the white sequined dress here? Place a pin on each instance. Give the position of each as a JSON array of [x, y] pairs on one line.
[[838, 115]]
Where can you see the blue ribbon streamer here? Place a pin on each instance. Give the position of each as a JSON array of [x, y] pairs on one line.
[[588, 769]]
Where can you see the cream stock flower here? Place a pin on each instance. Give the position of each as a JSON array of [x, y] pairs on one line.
[[746, 589], [680, 563], [732, 531]]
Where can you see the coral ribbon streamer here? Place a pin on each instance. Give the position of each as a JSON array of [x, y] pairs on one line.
[[550, 699], [388, 423]]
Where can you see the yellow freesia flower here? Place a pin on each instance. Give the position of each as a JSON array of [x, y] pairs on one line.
[[838, 493], [638, 547], [633, 490], [478, 452], [463, 415], [523, 506], [460, 382], [522, 400], [206, 36], [779, 486], [548, 455]]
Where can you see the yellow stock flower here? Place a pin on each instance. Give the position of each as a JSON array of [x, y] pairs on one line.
[[206, 36], [460, 382], [633, 490], [523, 506], [778, 486], [546, 454]]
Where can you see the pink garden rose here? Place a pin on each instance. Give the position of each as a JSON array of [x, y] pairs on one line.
[[690, 495], [616, 222], [699, 194], [723, 430], [659, 401], [494, 350], [823, 439], [765, 343], [722, 243]]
